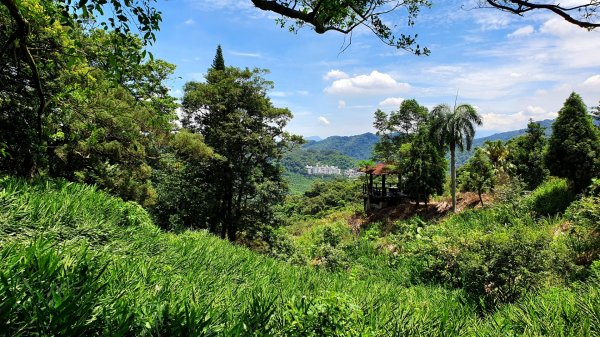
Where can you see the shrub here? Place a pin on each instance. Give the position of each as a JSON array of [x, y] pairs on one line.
[[584, 216], [329, 315], [551, 197]]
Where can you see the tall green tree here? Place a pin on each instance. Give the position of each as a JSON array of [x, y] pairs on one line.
[[574, 147], [38, 48], [454, 128], [478, 174], [424, 167], [219, 61], [232, 111], [397, 130], [526, 155]]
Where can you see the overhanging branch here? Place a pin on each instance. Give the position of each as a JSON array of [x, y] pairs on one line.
[[584, 16]]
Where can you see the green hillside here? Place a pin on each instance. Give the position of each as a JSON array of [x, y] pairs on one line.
[[358, 147], [76, 261]]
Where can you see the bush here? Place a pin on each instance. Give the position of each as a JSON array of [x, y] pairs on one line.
[[551, 197], [330, 315], [584, 216]]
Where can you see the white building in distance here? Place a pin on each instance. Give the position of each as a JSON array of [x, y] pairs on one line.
[[322, 170]]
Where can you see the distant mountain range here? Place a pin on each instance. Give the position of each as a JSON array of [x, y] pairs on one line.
[[360, 147]]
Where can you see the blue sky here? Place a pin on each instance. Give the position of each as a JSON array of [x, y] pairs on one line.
[[511, 68]]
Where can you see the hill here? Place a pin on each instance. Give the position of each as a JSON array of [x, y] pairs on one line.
[[358, 147], [76, 261]]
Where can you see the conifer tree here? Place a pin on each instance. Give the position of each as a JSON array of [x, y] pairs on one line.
[[574, 147], [219, 61]]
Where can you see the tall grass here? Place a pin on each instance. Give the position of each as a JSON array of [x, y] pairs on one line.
[[75, 261]]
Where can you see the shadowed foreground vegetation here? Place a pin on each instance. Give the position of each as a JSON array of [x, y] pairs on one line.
[[77, 261]]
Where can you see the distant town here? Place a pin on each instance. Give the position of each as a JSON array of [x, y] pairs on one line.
[[319, 169]]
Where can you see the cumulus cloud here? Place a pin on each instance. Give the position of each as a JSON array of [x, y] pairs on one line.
[[323, 120], [335, 75], [374, 83], [341, 104], [506, 122], [592, 81], [392, 101], [523, 31], [189, 22]]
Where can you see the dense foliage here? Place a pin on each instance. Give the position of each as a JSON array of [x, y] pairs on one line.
[[407, 141], [526, 155], [478, 174], [98, 266], [233, 113], [574, 147]]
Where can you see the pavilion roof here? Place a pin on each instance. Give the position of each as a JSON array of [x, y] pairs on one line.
[[381, 169]]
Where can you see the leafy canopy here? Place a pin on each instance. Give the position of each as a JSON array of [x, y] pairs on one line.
[[574, 147], [346, 16]]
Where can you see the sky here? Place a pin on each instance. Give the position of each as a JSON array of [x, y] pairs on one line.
[[510, 68]]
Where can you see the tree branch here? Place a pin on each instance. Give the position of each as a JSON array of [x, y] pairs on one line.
[[22, 33], [520, 7]]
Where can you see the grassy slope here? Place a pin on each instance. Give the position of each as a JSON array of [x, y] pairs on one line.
[[159, 283]]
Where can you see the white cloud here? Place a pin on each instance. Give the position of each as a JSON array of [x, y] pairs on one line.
[[341, 104], [536, 109], [444, 70], [523, 31], [189, 22], [302, 92], [493, 20], [392, 101], [592, 81], [278, 94], [210, 5], [237, 53], [506, 122], [323, 120], [374, 83], [335, 74]]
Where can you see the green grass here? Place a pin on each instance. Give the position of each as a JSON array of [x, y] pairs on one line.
[[75, 261]]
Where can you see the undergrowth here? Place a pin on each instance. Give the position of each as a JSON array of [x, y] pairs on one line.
[[75, 261]]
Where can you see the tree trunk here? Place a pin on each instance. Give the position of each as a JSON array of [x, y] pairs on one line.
[[453, 175], [480, 198]]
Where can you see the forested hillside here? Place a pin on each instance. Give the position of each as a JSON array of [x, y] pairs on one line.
[[359, 147]]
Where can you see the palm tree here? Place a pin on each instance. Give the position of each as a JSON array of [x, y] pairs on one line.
[[452, 129]]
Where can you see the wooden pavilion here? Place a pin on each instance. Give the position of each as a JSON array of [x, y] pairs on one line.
[[378, 197]]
